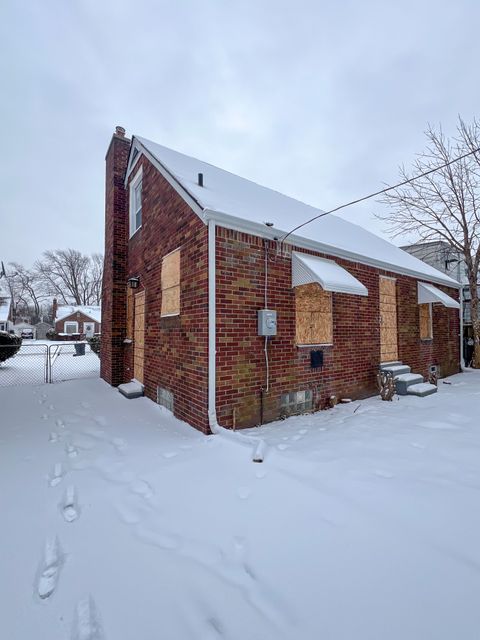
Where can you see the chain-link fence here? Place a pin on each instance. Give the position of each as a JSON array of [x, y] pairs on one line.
[[40, 363]]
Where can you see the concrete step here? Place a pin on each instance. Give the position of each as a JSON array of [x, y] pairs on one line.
[[397, 369], [390, 364], [131, 390], [405, 380], [421, 390]]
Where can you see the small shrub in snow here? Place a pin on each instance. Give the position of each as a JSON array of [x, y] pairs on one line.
[[9, 345], [95, 344]]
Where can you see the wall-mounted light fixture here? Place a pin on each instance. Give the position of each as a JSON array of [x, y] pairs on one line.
[[133, 282]]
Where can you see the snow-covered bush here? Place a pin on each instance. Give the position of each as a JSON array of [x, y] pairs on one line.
[[9, 345], [95, 344], [51, 334]]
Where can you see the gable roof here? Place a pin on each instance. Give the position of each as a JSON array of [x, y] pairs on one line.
[[241, 204], [65, 310]]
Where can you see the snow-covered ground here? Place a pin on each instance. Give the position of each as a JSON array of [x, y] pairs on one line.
[[121, 523], [31, 365]]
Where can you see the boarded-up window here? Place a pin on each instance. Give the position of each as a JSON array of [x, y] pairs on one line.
[[171, 284], [130, 313], [425, 321], [313, 311]]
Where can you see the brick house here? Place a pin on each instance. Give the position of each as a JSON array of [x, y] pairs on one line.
[[77, 320], [194, 253]]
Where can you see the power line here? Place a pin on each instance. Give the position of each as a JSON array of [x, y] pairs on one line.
[[377, 193]]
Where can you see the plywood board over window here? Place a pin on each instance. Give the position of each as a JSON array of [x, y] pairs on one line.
[[171, 284], [130, 313], [313, 315], [388, 319], [425, 311]]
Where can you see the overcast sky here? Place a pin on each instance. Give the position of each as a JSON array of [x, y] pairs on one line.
[[319, 100]]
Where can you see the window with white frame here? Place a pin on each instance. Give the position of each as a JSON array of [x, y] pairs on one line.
[[136, 202], [70, 327]]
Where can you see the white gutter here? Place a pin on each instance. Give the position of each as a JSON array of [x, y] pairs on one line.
[[258, 444]]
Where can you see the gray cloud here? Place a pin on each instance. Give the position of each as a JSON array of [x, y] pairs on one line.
[[322, 101]]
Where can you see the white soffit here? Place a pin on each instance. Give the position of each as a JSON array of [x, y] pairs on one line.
[[429, 293], [327, 273]]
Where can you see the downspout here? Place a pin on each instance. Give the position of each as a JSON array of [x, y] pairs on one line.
[[258, 444]]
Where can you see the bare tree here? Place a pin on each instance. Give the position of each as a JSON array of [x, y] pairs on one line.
[[27, 293], [70, 276], [444, 205]]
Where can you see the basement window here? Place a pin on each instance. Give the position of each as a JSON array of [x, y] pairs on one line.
[[136, 202], [313, 315], [426, 330], [171, 284]]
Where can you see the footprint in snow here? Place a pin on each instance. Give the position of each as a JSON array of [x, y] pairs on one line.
[[69, 504], [297, 437], [87, 624], [51, 407], [85, 405], [101, 421], [57, 475], [384, 474], [119, 444], [282, 447], [49, 571], [71, 451], [303, 431], [59, 422], [244, 492], [53, 437], [261, 473], [142, 488], [170, 454], [417, 445], [44, 416]]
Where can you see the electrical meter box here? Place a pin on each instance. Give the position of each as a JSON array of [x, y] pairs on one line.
[[267, 322]]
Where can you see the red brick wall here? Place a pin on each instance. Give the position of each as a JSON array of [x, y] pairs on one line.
[[78, 317], [114, 273], [176, 348], [350, 365]]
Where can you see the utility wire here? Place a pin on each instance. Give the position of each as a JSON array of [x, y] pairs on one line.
[[377, 193]]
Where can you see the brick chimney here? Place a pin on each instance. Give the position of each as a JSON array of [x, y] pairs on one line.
[[114, 284]]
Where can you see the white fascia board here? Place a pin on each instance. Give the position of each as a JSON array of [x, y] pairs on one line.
[[169, 177], [257, 229]]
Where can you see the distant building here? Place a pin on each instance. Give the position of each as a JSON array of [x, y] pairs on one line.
[[444, 257], [74, 320]]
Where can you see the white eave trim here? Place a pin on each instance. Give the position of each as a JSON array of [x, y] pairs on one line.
[[169, 177], [255, 228], [258, 229], [327, 273], [428, 293]]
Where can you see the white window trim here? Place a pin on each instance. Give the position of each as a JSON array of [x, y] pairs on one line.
[[134, 182], [88, 322], [74, 322]]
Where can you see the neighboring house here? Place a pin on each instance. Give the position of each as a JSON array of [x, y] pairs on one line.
[[193, 254], [6, 308], [77, 320], [443, 256]]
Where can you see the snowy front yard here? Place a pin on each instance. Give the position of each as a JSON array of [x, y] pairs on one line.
[[121, 523]]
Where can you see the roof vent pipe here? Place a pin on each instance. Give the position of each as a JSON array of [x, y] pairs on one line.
[[200, 179]]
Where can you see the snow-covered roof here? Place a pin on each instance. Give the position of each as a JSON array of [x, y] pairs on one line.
[[5, 302], [241, 204], [65, 310]]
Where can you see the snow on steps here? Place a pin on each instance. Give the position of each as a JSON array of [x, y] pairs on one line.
[[422, 389], [395, 369], [406, 380], [131, 389]]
